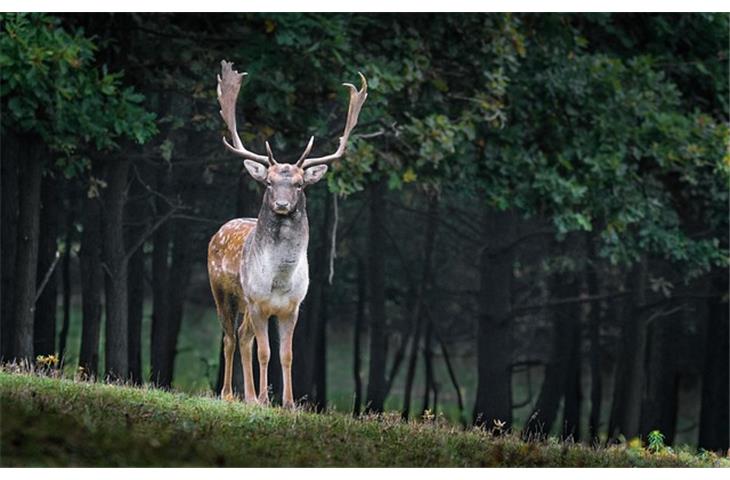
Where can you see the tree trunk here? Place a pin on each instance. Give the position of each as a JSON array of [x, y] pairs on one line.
[[626, 408], [135, 307], [661, 389], [160, 283], [92, 278], [44, 328], [309, 369], [375, 397], [117, 326], [573, 394], [66, 282], [562, 374], [26, 261], [8, 239], [714, 419], [594, 335], [494, 329], [416, 314], [411, 371], [359, 322], [136, 280], [320, 351], [180, 272], [429, 384]]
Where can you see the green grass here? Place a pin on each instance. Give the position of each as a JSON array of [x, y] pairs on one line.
[[55, 422]]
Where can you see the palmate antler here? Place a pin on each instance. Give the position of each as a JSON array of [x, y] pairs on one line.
[[357, 99], [229, 84]]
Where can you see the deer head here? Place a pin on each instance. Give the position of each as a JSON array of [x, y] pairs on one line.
[[285, 182]]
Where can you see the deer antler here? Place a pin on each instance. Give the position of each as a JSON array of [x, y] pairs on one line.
[[229, 84], [357, 99]]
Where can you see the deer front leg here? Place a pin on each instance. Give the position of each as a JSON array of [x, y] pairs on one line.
[[286, 333], [245, 345], [261, 330]]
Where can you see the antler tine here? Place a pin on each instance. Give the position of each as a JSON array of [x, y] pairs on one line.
[[357, 99], [229, 84], [306, 151], [270, 154]]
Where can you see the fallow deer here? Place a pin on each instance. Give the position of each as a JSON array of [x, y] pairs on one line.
[[258, 266]]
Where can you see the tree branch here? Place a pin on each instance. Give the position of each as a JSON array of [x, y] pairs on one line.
[[47, 277]]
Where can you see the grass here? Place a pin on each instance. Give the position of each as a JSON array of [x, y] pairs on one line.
[[196, 367], [59, 422]]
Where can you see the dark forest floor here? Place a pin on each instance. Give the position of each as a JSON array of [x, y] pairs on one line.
[[52, 422]]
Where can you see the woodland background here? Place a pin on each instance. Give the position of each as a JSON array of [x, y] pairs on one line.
[[530, 225]]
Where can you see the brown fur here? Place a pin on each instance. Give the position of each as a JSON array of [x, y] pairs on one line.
[[225, 252]]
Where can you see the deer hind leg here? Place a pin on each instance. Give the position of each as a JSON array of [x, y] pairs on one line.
[[227, 319], [260, 323], [245, 345], [286, 333]]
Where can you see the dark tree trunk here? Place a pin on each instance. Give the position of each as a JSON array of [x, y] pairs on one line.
[[375, 397], [494, 330], [562, 374], [714, 415], [180, 272], [659, 407], [135, 281], [626, 408], [573, 394], [135, 308], [44, 329], [429, 385], [92, 278], [26, 261], [411, 371], [359, 322], [594, 335], [8, 239], [320, 351], [66, 282], [416, 320], [309, 368], [160, 283], [452, 377], [116, 265]]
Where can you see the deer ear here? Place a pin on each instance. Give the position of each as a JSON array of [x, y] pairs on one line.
[[314, 174], [257, 171]]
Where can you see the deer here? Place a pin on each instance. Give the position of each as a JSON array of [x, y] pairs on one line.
[[258, 267]]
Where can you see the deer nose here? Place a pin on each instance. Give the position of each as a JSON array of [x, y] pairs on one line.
[[281, 205]]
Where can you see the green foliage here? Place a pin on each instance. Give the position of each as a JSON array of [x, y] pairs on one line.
[[52, 88], [603, 143], [63, 423], [656, 441]]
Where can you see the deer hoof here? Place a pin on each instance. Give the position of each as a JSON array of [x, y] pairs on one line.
[[228, 396]]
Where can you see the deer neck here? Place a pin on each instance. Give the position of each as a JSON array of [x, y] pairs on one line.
[[282, 239]]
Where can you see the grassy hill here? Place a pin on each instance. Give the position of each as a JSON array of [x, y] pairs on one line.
[[55, 422]]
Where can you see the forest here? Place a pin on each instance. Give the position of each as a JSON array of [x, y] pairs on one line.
[[528, 230]]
